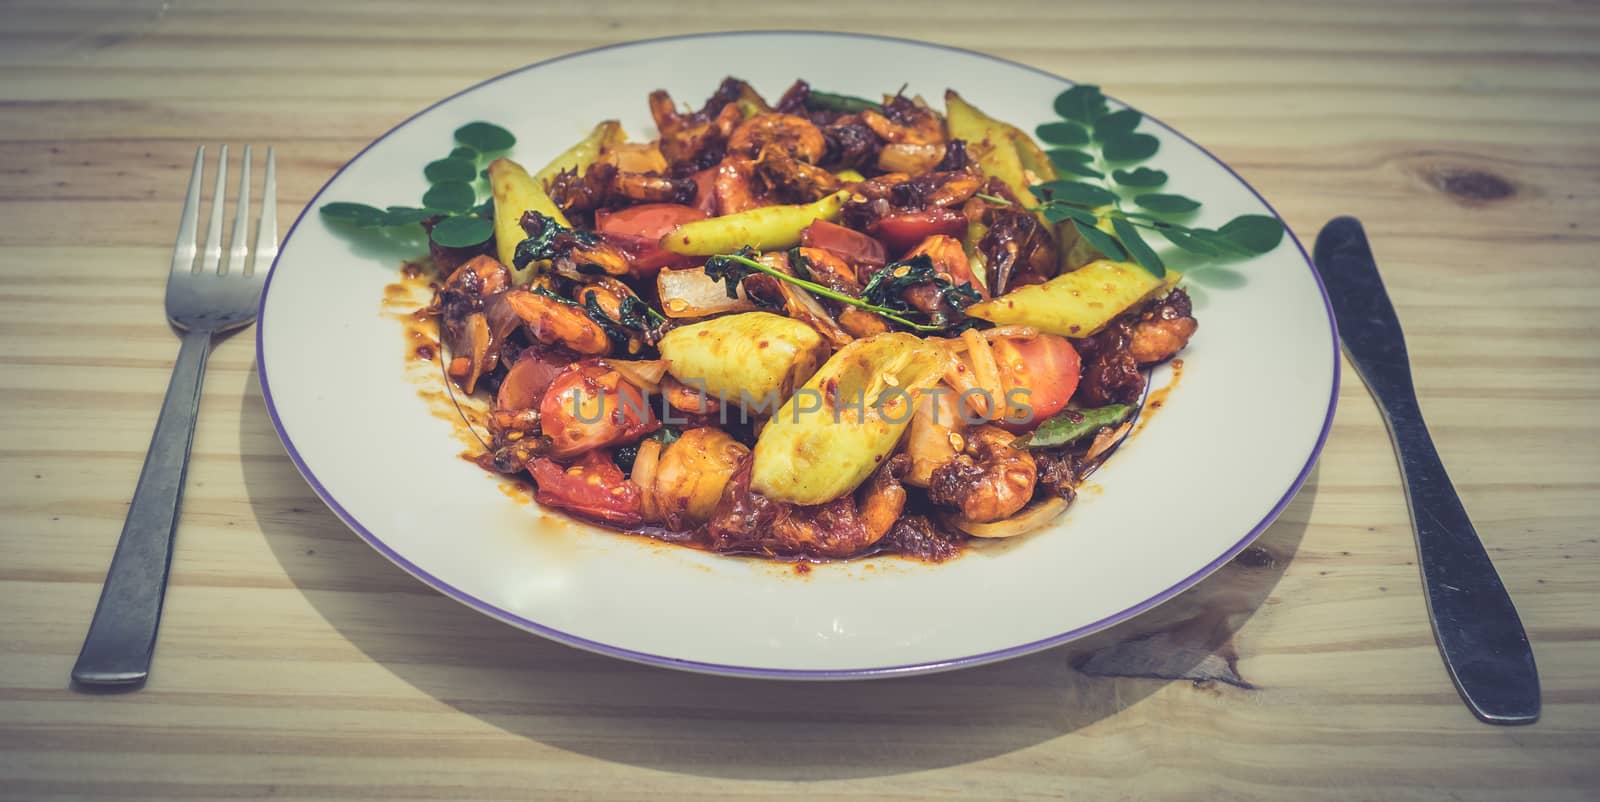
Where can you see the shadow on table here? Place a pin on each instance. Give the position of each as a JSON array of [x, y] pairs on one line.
[[713, 726]]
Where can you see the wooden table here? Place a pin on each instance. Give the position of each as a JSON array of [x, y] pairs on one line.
[[297, 663]]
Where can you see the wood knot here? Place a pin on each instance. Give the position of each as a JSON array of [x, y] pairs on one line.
[[1468, 184], [1255, 557]]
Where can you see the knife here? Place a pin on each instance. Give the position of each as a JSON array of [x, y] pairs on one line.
[[1480, 636]]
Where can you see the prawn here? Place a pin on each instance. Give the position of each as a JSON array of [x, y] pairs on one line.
[[794, 136], [989, 480], [905, 122], [554, 320]]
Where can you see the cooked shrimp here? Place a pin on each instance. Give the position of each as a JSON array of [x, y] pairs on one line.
[[794, 136], [881, 500], [604, 185], [515, 434], [881, 187], [653, 188], [1164, 329], [830, 271], [861, 324], [688, 400], [686, 138], [989, 481], [479, 276], [474, 348], [805, 182], [954, 187], [905, 122], [614, 300], [556, 321], [735, 187]]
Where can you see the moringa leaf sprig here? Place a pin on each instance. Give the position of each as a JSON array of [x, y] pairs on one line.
[[463, 221], [1103, 150]]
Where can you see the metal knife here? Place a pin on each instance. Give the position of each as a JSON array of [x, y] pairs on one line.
[[1482, 640]]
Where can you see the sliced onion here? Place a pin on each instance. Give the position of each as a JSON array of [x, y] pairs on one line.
[[985, 371], [644, 374], [908, 158], [804, 307], [644, 475], [1032, 518], [1105, 440], [690, 293]]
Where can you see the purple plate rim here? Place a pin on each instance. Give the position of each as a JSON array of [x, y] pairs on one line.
[[664, 661]]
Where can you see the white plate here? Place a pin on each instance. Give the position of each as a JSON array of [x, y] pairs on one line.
[[1206, 475]]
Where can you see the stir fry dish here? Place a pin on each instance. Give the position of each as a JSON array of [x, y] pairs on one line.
[[819, 328]]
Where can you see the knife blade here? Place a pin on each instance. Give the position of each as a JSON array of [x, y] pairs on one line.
[[1484, 646]]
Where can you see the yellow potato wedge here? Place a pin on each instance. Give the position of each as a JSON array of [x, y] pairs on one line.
[[754, 355], [1031, 155], [990, 144], [844, 422], [516, 193], [770, 228], [1075, 304]]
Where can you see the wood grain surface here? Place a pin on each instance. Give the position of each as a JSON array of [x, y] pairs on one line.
[[297, 663]]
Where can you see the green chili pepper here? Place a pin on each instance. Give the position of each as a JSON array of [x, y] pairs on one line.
[[847, 104], [1074, 424]]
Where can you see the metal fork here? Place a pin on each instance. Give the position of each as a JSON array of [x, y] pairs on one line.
[[203, 299]]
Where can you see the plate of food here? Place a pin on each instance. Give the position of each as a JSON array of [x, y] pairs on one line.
[[885, 367]]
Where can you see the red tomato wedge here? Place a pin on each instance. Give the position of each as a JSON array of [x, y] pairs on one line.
[[638, 231], [854, 247], [1045, 365], [901, 232], [590, 406], [593, 487]]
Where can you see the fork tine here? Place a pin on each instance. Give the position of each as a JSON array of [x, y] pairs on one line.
[[237, 252], [213, 252], [241, 217], [267, 230], [183, 251]]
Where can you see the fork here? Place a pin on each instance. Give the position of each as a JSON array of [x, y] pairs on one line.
[[204, 299]]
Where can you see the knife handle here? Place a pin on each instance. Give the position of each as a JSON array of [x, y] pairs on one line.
[[1479, 633]]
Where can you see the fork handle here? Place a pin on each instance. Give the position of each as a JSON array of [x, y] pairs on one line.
[[122, 635]]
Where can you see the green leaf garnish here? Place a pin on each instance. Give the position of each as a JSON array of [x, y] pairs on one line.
[[1063, 133], [1077, 193], [1139, 177], [732, 268], [406, 215], [1141, 252], [356, 214], [1116, 124], [462, 232], [450, 196], [1129, 147], [485, 137], [464, 152], [1056, 213], [1075, 162], [1255, 233], [451, 169], [1082, 103], [1166, 203], [1186, 240], [1102, 242]]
